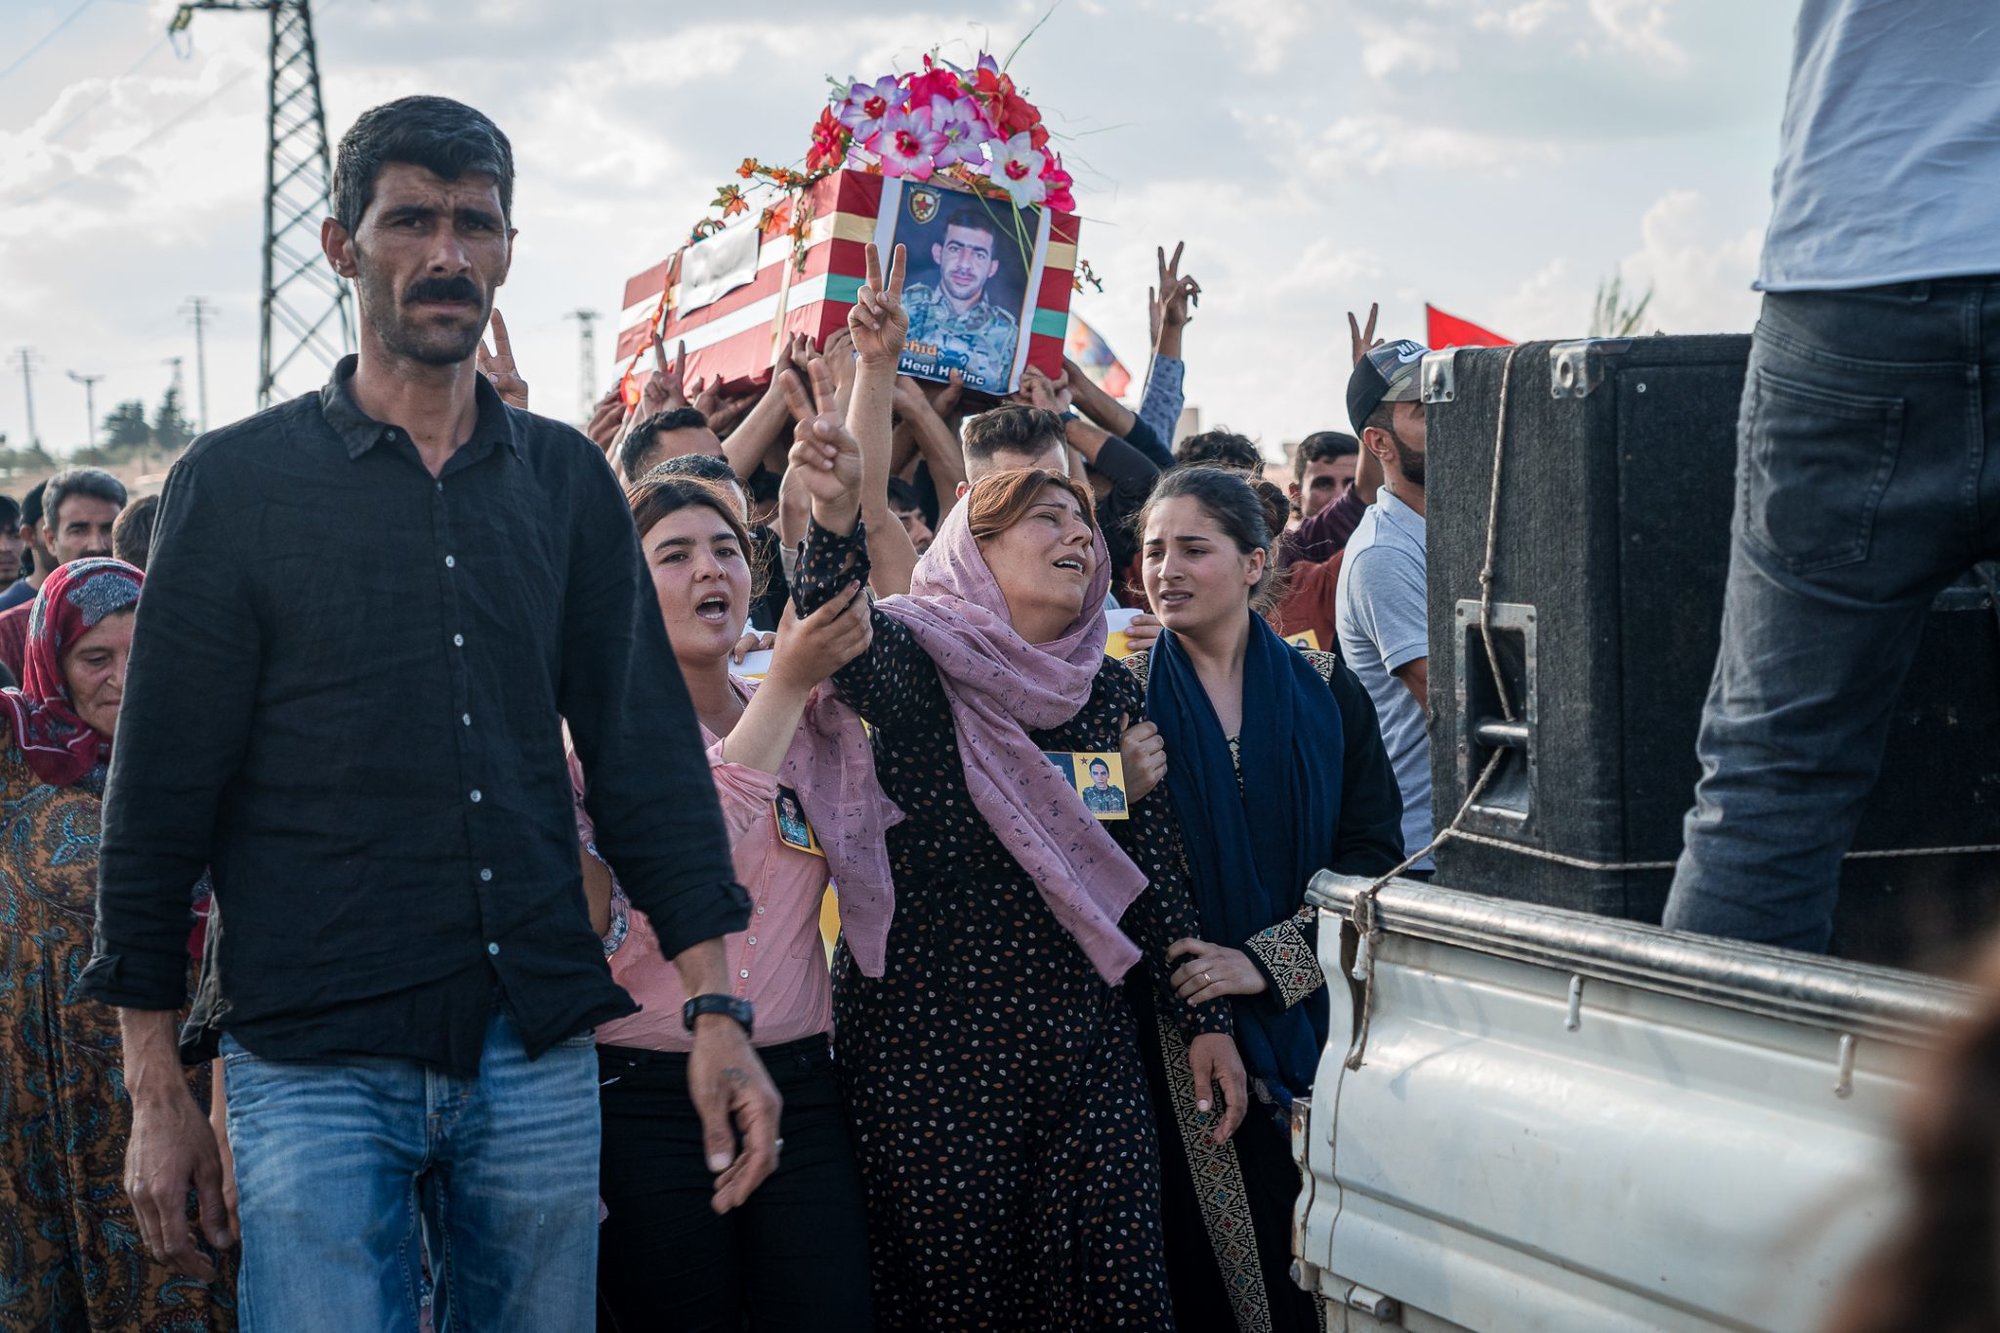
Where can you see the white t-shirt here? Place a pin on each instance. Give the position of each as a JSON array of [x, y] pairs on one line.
[[1889, 161]]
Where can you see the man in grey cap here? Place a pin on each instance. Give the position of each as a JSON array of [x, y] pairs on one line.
[[1379, 610]]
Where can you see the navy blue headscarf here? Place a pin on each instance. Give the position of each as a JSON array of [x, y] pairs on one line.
[[1252, 852]]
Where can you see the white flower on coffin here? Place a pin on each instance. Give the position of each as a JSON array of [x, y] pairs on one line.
[[1017, 169]]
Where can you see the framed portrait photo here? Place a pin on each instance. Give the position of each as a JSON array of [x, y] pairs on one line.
[[975, 269]]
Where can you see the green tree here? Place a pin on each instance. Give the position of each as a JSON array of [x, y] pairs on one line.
[[1611, 316], [125, 430], [170, 425]]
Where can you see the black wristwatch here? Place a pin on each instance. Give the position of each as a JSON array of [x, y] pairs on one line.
[[740, 1010]]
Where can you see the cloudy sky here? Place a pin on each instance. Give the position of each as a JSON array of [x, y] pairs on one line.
[[1497, 158]]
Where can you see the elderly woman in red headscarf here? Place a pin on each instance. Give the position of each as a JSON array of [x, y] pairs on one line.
[[70, 1254]]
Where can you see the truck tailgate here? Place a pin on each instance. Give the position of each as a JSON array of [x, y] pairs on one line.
[[1565, 1122]]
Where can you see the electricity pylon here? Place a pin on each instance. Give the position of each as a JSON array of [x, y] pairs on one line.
[[307, 321]]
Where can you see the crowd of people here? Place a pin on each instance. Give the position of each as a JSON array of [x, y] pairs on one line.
[[446, 941], [441, 941]]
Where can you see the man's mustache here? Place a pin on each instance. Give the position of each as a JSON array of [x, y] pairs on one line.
[[441, 289]]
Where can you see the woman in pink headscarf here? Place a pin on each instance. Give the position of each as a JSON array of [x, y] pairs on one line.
[[70, 1256], [988, 1056]]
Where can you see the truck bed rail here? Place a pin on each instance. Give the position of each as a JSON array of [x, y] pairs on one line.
[[1775, 983]]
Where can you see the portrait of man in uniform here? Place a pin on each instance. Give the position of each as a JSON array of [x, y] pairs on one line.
[[965, 309]]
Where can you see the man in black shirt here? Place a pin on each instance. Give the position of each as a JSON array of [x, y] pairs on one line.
[[364, 744]]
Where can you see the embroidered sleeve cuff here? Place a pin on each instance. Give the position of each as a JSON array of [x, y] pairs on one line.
[[1288, 960]]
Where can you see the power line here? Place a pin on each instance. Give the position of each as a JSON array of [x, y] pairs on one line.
[[46, 38]]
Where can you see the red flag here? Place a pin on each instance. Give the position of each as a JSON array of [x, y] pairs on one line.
[[1444, 330]]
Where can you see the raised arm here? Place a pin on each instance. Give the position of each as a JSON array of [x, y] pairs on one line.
[[877, 325], [755, 439], [894, 683]]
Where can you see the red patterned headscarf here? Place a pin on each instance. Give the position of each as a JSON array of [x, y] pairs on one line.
[[74, 600]]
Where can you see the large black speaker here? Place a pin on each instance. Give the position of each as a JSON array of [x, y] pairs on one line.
[[1612, 545]]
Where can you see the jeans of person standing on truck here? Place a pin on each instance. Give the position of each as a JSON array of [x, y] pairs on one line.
[[354, 1175], [792, 1259], [1868, 479]]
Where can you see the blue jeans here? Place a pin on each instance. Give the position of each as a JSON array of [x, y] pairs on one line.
[[1865, 485], [351, 1172]]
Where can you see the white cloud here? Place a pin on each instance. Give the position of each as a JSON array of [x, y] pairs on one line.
[[1640, 27], [1546, 304], [1700, 279], [1269, 31], [1372, 144], [1409, 49], [1521, 20]]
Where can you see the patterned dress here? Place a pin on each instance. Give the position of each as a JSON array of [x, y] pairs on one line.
[[993, 1079], [70, 1254]]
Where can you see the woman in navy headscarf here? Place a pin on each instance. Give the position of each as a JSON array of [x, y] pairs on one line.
[[1276, 768]]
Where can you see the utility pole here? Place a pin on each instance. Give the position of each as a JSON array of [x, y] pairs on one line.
[[89, 383], [307, 319], [177, 383], [28, 360], [198, 307], [586, 384]]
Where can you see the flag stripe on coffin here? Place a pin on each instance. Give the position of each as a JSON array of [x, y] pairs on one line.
[[732, 339]]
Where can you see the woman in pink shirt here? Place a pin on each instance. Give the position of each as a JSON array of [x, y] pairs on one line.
[[795, 1255]]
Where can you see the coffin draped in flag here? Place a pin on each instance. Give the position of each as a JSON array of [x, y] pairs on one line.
[[953, 164], [732, 296]]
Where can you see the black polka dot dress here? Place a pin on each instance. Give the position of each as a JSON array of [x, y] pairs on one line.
[[993, 1080]]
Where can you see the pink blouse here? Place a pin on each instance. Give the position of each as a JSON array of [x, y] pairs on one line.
[[778, 963]]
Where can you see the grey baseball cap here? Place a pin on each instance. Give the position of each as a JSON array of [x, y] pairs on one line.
[[1387, 374]]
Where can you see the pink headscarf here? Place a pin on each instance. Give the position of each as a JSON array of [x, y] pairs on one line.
[[1000, 687]]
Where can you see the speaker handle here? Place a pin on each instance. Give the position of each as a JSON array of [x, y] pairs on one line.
[[1479, 728]]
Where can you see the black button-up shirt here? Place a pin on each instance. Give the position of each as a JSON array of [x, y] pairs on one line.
[[346, 696]]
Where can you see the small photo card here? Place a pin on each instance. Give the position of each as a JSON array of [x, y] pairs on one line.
[[1098, 776], [793, 829]]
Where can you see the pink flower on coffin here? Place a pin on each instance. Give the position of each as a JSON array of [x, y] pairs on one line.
[[907, 144], [1017, 169], [1058, 183], [868, 103], [988, 63], [964, 129]]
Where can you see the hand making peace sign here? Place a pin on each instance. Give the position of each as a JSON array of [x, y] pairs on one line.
[[825, 454], [878, 323], [498, 365]]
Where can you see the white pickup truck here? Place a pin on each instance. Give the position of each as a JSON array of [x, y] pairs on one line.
[[1567, 1122]]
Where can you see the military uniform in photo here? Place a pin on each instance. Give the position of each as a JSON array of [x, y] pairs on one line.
[[979, 343]]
